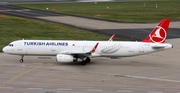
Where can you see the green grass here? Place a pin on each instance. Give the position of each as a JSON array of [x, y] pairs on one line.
[[119, 11], [16, 28]]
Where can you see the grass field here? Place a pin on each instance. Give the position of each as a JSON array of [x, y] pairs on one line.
[[16, 28], [142, 11]]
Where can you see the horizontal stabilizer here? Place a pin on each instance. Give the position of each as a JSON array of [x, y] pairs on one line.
[[159, 46]]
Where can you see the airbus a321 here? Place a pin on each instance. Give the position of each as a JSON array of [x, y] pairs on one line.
[[73, 50]]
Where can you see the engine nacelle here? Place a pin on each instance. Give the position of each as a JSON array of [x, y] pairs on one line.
[[64, 58]]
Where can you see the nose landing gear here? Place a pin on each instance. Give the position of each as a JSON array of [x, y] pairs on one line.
[[21, 60]]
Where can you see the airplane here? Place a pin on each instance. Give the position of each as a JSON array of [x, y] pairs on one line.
[[67, 51]]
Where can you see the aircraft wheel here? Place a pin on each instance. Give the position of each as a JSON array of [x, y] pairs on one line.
[[88, 60], [75, 60], [83, 63], [21, 60]]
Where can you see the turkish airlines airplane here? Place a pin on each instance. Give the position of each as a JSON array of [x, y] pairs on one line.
[[73, 51]]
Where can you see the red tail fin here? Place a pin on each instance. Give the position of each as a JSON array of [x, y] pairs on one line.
[[158, 35]]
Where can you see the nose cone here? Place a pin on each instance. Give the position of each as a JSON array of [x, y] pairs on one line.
[[4, 49]]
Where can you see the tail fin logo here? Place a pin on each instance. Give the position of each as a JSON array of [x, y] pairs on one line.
[[159, 35]]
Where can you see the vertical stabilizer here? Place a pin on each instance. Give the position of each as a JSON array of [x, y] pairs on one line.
[[159, 33]]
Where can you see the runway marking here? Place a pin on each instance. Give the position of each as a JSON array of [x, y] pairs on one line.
[[7, 87], [51, 63], [131, 76], [20, 75], [124, 90], [149, 78], [97, 90]]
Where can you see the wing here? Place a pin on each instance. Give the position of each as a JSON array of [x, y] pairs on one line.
[[76, 52]]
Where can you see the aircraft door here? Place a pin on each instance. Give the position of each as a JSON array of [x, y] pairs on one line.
[[141, 48], [19, 47]]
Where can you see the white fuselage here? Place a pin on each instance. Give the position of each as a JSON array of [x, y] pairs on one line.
[[104, 49]]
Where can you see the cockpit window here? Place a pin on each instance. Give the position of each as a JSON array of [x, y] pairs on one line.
[[11, 45]]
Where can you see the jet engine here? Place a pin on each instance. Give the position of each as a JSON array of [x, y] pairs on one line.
[[64, 58]]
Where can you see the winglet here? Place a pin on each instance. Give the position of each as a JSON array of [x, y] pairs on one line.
[[95, 47], [158, 35], [112, 37]]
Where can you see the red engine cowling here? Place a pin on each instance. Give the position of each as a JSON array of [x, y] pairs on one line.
[[64, 58]]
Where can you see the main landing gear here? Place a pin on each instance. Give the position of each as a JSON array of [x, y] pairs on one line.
[[87, 60], [21, 60]]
